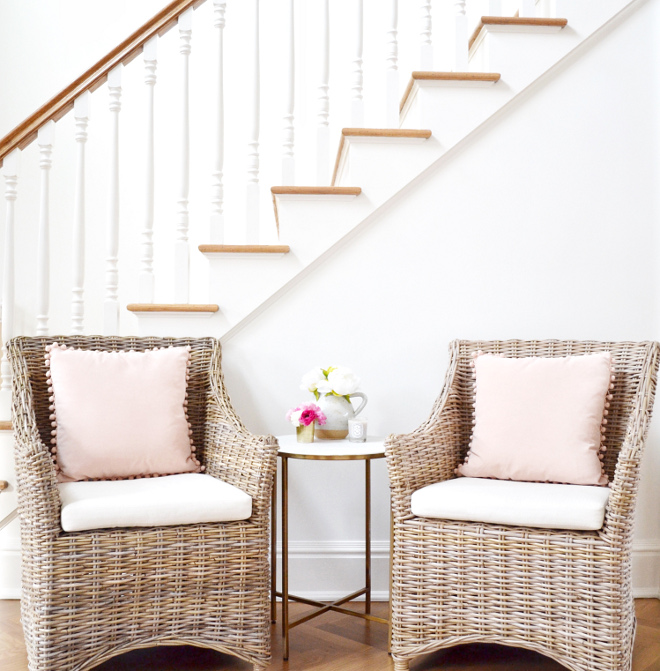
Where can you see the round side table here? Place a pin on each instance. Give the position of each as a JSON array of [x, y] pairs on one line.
[[321, 450]]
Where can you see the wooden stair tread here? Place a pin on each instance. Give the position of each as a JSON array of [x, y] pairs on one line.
[[172, 307], [477, 77], [515, 21], [386, 132], [403, 133], [316, 190], [244, 249]]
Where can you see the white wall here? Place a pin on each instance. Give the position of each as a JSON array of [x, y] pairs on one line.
[[542, 226]]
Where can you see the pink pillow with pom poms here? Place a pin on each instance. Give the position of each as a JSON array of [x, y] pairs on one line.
[[118, 415], [540, 419]]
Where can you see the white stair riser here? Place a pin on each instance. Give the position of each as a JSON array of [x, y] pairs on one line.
[[384, 166]]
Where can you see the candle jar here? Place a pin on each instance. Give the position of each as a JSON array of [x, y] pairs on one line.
[[357, 430], [305, 434]]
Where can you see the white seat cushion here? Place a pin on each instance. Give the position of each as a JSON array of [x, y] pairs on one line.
[[188, 498], [528, 504]]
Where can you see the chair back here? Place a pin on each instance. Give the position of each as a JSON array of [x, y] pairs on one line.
[[29, 352], [635, 365]]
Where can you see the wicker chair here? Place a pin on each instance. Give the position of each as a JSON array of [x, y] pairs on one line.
[[88, 596], [565, 594]]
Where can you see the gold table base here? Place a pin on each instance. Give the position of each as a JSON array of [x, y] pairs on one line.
[[321, 607]]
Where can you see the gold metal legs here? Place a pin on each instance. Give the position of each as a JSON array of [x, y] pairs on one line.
[[285, 555], [273, 553], [320, 607], [367, 536]]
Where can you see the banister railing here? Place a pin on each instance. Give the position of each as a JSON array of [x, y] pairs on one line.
[[53, 110]]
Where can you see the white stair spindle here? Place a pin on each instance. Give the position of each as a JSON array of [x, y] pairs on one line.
[[146, 287], [288, 161], [392, 67], [217, 188], [357, 101], [460, 38], [323, 130], [252, 191], [45, 139], [10, 171], [494, 7], [181, 251], [111, 303], [426, 37], [527, 9], [81, 115]]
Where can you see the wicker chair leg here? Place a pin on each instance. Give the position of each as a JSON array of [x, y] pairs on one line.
[[401, 664]]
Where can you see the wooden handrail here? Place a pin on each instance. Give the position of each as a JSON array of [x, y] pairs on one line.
[[123, 53]]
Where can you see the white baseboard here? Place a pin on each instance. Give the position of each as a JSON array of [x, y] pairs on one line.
[[10, 573], [646, 569], [338, 566]]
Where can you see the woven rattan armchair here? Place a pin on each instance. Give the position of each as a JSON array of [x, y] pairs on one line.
[[565, 594], [88, 596]]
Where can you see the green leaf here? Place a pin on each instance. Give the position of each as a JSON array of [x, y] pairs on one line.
[[316, 394]]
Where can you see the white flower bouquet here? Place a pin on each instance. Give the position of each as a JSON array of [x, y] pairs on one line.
[[332, 381]]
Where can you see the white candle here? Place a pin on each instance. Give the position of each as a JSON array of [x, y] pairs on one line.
[[357, 430]]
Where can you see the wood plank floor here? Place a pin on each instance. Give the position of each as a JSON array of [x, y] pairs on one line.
[[335, 642]]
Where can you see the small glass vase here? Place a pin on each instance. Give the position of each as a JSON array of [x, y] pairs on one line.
[[305, 434]]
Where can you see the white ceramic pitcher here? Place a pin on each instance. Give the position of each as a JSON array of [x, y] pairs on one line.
[[338, 411]]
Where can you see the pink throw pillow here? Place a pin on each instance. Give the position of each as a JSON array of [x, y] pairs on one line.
[[540, 419], [119, 414]]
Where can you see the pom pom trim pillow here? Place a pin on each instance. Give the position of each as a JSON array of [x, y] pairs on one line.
[[540, 419], [119, 415]]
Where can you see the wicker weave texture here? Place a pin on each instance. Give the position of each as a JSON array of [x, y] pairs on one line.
[[88, 596], [565, 594]]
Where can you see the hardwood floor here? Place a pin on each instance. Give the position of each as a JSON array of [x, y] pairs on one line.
[[335, 642]]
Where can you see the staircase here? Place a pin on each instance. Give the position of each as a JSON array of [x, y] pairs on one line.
[[113, 200], [501, 60]]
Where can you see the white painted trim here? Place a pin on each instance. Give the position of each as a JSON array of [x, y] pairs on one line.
[[335, 595], [334, 549], [646, 547], [324, 550], [10, 562]]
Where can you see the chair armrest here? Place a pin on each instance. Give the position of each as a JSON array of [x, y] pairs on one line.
[[429, 454], [620, 511], [38, 496], [244, 460]]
